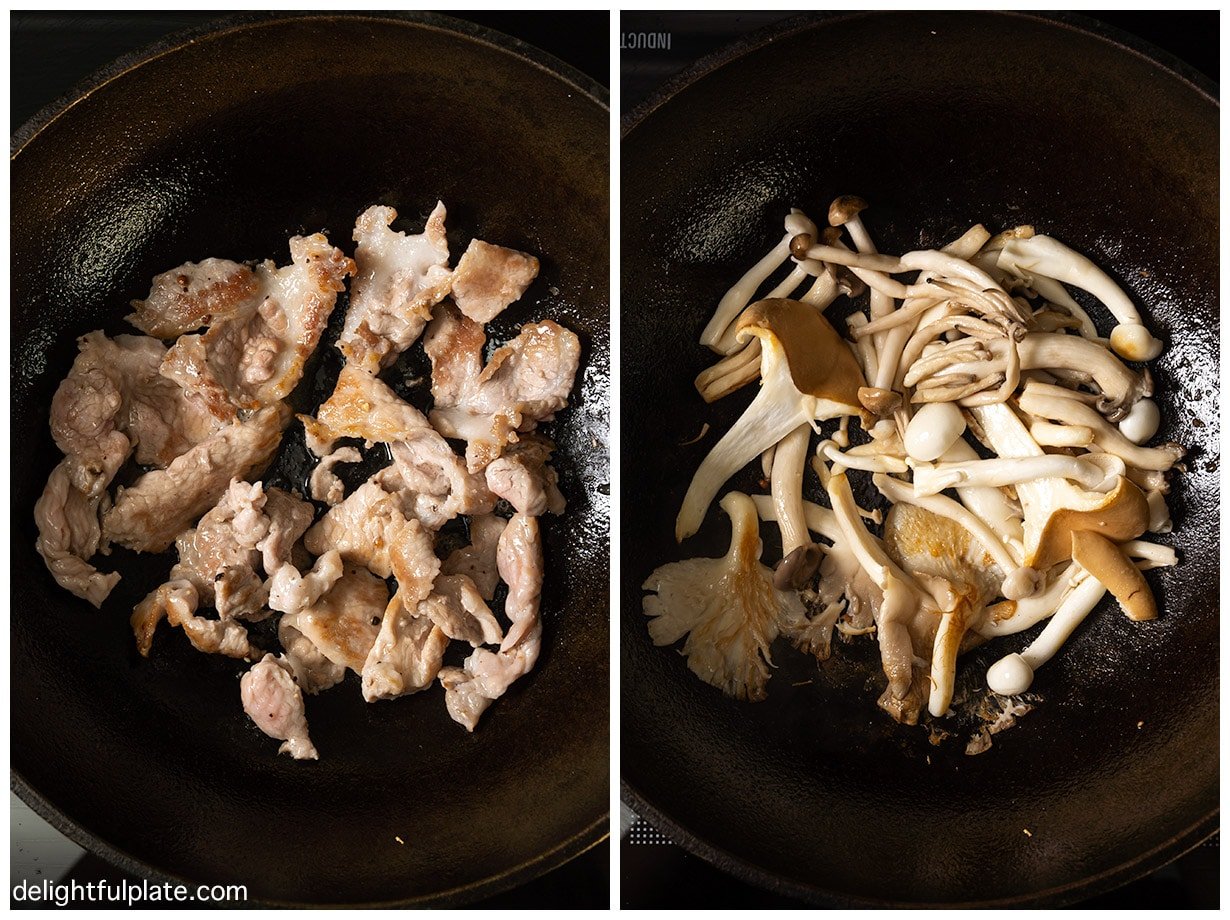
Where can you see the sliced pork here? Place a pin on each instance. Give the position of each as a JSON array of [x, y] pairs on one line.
[[68, 536], [399, 278], [194, 295], [324, 484], [344, 622], [406, 656], [312, 670], [489, 278], [272, 700], [457, 607], [522, 477], [477, 561], [177, 602], [255, 356], [162, 504], [526, 382]]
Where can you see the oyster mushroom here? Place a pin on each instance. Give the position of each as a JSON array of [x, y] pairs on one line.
[[808, 374], [1042, 255], [1109, 564], [728, 608]]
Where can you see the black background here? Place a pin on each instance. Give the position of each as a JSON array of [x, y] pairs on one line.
[[661, 875], [53, 52]]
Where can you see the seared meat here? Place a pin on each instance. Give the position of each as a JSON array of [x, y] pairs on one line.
[[194, 295], [255, 356], [68, 535], [489, 278], [289, 518], [487, 675], [406, 656], [313, 671], [177, 601], [114, 401], [457, 608], [344, 622], [359, 528], [399, 279], [363, 407], [219, 555], [523, 479], [477, 561], [271, 698], [290, 592], [324, 485], [164, 503], [525, 382]]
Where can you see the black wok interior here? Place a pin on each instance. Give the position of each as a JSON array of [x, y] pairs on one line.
[[939, 121], [226, 147]]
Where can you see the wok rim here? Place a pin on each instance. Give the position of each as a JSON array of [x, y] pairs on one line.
[[498, 42], [1207, 825]]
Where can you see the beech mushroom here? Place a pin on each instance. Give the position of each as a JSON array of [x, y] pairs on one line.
[[1093, 472], [789, 462], [934, 428], [728, 608], [1141, 422], [807, 374], [1042, 255]]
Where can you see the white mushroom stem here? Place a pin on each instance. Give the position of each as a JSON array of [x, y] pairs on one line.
[[1150, 555], [989, 504], [731, 373], [1105, 435], [901, 595], [881, 303], [1007, 618], [864, 348], [1019, 581], [1141, 422], [871, 463], [931, 479], [789, 461], [1045, 256], [1048, 434], [820, 520], [718, 333], [766, 461], [1013, 674], [1159, 513]]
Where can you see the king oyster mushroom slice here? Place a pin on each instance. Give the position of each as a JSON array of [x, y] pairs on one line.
[[1042, 255], [717, 333], [808, 374], [1055, 508], [728, 608]]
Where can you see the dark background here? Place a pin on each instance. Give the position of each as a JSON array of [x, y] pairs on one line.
[[654, 873], [53, 52]]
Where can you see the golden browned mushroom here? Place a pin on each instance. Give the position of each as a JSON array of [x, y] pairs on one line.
[[807, 373], [1110, 565]]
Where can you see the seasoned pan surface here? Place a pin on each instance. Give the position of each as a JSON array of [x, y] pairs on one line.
[[940, 121], [226, 145]]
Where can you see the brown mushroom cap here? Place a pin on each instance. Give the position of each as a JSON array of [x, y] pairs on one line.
[[1123, 516], [845, 209], [878, 400], [1107, 562], [821, 363]]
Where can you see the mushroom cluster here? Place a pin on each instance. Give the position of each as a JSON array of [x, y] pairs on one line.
[[1007, 437]]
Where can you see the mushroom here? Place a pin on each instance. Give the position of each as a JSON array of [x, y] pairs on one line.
[[1055, 508], [1109, 564], [1042, 255], [1106, 437], [934, 428], [1048, 434], [1014, 673], [728, 608], [807, 374], [1094, 472], [1007, 618], [1141, 422], [716, 334], [786, 485]]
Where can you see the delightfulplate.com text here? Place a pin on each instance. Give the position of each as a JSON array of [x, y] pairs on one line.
[[61, 894]]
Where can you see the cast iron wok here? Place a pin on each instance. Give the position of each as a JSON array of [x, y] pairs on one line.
[[227, 145], [940, 121]]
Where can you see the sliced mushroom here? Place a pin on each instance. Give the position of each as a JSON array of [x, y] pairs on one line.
[[1110, 565]]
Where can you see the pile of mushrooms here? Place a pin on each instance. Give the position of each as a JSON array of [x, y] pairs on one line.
[[1007, 437]]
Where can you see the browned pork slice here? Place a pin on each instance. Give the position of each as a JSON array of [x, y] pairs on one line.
[[289, 518], [359, 528], [272, 700], [68, 535], [525, 382], [177, 602], [219, 555], [523, 478], [312, 670], [399, 278], [486, 675], [489, 278], [292, 592], [406, 656], [477, 561], [324, 484], [344, 622], [361, 406], [113, 402], [194, 295], [456, 606], [255, 356], [162, 504]]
